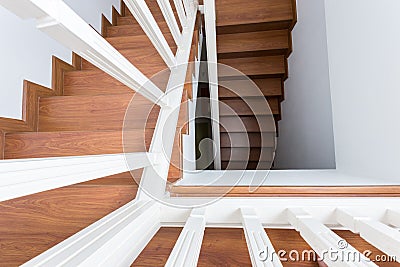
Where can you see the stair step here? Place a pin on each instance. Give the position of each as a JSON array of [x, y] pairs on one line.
[[132, 29], [266, 66], [246, 88], [250, 123], [33, 224], [258, 106], [138, 41], [92, 82], [252, 44], [91, 113], [246, 154], [145, 59], [243, 165], [242, 16], [247, 140], [61, 144]]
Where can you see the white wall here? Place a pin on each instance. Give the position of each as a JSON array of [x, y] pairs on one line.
[[305, 131], [364, 57], [26, 52]]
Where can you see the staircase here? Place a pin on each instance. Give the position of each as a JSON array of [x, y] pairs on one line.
[[110, 221], [84, 115], [253, 37]]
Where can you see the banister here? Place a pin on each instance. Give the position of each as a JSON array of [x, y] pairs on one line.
[[143, 16], [21, 177], [169, 16], [211, 45], [181, 12], [154, 178], [59, 21]]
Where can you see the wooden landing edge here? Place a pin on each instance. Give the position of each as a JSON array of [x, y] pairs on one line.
[[287, 191]]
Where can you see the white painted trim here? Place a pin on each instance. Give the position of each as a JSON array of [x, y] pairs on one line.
[[169, 17], [60, 22], [277, 178], [188, 10], [28, 176], [393, 217], [211, 45], [261, 250], [186, 251], [181, 12], [385, 238], [154, 178], [115, 240], [323, 240], [223, 212], [143, 16]]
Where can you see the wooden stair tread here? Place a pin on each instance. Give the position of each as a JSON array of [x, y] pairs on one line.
[[253, 66], [246, 165], [247, 140], [78, 143], [137, 41], [98, 112], [236, 12], [131, 28], [246, 154], [92, 82], [252, 43], [258, 106], [245, 88], [42, 220], [250, 123]]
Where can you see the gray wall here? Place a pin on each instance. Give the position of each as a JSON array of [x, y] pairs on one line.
[[305, 131]]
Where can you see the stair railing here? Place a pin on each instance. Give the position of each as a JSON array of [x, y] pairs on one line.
[[211, 45], [119, 238], [59, 21]]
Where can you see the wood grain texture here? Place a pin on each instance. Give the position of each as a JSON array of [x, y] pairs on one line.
[[30, 225], [2, 144], [227, 247], [224, 247], [100, 112], [246, 154], [291, 191], [138, 41], [244, 88], [157, 251], [236, 12], [250, 123], [250, 44], [78, 143], [251, 107], [92, 82], [361, 245], [245, 140], [273, 66], [146, 59], [105, 23]]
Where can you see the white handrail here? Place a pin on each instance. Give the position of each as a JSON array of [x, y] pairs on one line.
[[169, 16], [211, 45], [154, 178], [60, 22], [115, 240], [143, 16], [181, 12], [23, 177]]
